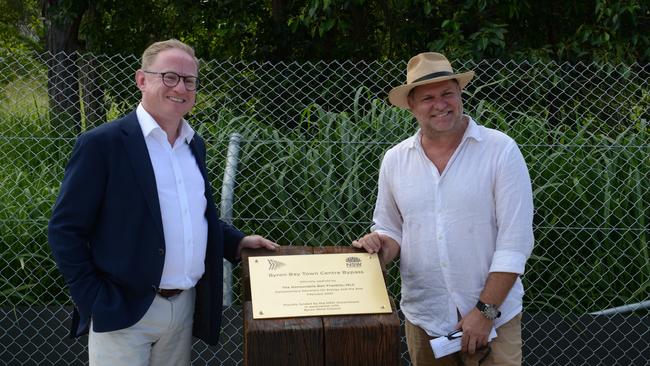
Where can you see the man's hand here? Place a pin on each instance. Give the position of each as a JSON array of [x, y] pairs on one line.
[[255, 241], [385, 247], [476, 329]]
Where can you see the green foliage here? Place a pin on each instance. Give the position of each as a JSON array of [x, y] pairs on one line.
[[312, 181], [315, 185], [318, 30], [591, 196], [20, 25], [32, 166], [315, 179], [479, 29], [613, 34], [601, 30]]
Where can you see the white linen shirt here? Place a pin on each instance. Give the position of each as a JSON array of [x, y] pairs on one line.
[[181, 194], [456, 227]]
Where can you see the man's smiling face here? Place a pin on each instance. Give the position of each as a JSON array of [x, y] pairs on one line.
[[438, 107], [167, 104]]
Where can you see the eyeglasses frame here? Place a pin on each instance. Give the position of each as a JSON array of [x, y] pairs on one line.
[[162, 77]]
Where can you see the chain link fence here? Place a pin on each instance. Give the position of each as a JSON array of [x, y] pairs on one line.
[[313, 135]]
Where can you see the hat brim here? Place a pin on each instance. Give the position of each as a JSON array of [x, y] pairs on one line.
[[398, 96]]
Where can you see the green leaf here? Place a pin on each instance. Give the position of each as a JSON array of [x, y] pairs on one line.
[[428, 7], [327, 26]]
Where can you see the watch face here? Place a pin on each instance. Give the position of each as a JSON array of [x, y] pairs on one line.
[[490, 312]]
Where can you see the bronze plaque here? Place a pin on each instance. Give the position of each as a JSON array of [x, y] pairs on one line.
[[317, 284]]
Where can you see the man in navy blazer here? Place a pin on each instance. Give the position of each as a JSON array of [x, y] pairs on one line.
[[134, 230]]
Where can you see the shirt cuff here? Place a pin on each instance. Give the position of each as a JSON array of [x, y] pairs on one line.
[[392, 235], [508, 261]]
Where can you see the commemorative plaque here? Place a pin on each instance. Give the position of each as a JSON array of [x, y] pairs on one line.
[[317, 284], [313, 324]]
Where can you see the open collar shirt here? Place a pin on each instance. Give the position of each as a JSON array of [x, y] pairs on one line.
[[456, 227], [181, 194]]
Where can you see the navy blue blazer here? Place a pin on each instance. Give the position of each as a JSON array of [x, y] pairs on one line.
[[107, 238]]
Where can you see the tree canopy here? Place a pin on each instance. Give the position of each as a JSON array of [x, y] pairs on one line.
[[308, 30]]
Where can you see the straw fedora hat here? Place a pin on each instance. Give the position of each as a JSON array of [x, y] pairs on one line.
[[426, 68]]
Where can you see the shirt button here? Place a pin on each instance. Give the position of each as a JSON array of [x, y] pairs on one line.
[[161, 251]]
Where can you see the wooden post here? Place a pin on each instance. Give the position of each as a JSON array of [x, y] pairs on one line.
[[371, 339]]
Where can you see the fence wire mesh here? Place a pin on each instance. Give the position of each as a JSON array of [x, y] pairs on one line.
[[313, 135]]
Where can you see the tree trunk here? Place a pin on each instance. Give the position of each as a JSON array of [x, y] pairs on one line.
[[281, 33], [92, 92], [92, 87], [62, 43]]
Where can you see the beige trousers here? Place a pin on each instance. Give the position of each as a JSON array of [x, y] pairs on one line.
[[163, 337], [505, 350]]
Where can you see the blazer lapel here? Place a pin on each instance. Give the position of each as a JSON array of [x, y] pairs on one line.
[[138, 154]]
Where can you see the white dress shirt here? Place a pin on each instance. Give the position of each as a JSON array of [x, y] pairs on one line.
[[456, 227], [181, 193]]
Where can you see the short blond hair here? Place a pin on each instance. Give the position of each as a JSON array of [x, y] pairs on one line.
[[149, 55]]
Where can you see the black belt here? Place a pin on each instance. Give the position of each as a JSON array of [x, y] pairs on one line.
[[166, 293]]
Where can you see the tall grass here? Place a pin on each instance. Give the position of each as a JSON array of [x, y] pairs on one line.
[[32, 168], [316, 185], [591, 189]]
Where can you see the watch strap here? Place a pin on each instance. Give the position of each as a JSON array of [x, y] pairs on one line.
[[488, 310]]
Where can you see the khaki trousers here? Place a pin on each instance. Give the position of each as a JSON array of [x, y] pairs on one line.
[[163, 337], [505, 349]]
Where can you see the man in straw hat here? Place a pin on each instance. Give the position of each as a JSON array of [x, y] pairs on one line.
[[455, 202]]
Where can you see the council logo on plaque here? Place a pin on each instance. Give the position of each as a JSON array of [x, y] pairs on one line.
[[353, 262], [275, 265]]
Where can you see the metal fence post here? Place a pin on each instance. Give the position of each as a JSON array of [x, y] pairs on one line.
[[227, 195], [624, 309]]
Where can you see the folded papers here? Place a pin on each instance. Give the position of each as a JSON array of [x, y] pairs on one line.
[[445, 345]]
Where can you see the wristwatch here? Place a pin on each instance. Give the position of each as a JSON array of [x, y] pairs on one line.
[[488, 310]]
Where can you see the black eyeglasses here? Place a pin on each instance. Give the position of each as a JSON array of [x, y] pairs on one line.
[[458, 333], [171, 79]]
